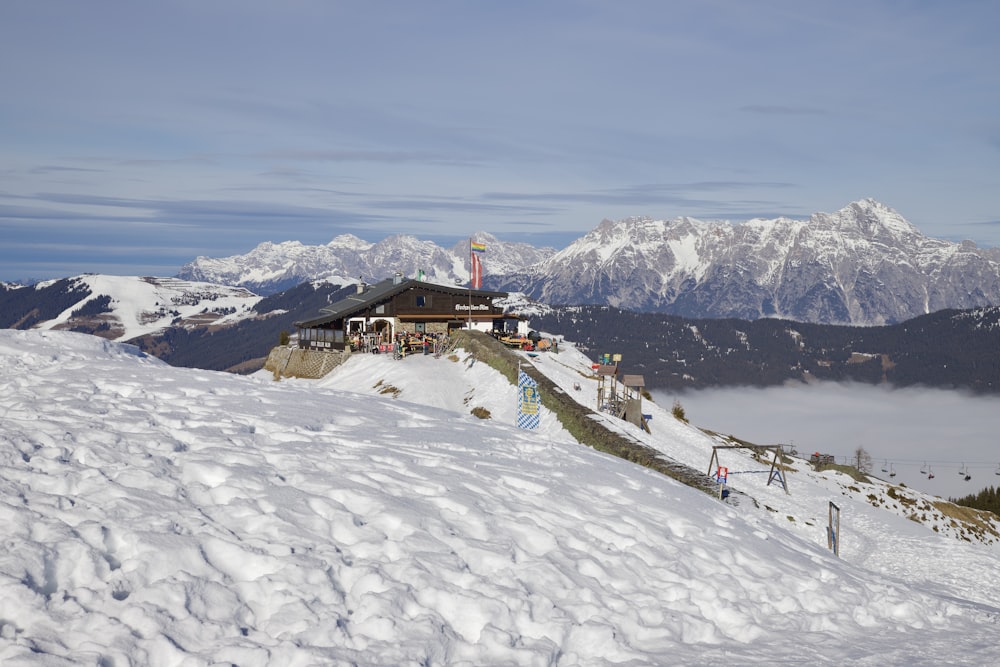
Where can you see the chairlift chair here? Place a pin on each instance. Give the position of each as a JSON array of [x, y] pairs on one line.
[[923, 470], [892, 470], [930, 474], [885, 466], [997, 471]]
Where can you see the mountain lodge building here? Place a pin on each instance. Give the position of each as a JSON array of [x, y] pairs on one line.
[[377, 313]]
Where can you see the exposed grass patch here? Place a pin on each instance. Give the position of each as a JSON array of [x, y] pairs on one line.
[[481, 412], [903, 500], [387, 389], [850, 471], [980, 522]]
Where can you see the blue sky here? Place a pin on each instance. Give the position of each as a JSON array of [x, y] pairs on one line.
[[136, 136]]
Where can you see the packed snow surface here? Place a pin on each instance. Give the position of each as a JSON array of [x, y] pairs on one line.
[[163, 516]]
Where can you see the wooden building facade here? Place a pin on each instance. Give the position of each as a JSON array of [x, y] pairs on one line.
[[378, 313]]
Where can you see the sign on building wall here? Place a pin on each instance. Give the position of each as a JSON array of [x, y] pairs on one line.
[[528, 401]]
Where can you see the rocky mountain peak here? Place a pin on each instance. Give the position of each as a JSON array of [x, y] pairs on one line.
[[872, 219], [350, 242], [864, 264]]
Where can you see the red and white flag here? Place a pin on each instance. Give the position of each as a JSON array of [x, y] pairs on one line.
[[477, 272]]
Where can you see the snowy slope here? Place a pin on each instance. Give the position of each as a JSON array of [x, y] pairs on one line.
[[164, 516], [891, 512], [138, 305]]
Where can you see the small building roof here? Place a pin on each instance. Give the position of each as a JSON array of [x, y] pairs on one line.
[[607, 369], [634, 381]]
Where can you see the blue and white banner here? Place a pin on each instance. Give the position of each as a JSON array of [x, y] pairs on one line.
[[529, 402]]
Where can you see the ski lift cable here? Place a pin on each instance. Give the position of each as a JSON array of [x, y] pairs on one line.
[[920, 463]]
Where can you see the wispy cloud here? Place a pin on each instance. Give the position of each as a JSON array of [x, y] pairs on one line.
[[56, 169], [36, 213], [160, 162], [783, 110], [95, 200], [376, 156], [668, 195], [457, 204]]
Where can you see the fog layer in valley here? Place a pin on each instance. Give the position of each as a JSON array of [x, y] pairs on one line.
[[952, 434]]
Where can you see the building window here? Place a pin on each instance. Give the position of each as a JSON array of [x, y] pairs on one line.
[[423, 301]]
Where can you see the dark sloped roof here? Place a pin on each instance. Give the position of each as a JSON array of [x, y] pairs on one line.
[[372, 294], [380, 292]]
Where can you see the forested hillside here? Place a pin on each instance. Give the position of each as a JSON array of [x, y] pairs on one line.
[[950, 349]]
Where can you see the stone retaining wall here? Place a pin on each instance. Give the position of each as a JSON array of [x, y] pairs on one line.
[[292, 362]]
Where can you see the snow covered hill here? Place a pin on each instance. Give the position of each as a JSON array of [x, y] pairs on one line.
[[164, 516], [124, 307]]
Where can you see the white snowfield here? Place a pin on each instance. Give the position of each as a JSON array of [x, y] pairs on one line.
[[161, 516], [141, 304]]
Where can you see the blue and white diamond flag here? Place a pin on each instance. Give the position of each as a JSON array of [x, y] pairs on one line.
[[528, 401]]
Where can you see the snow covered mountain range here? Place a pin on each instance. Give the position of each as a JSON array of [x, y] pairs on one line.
[[863, 265], [166, 516], [272, 267]]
